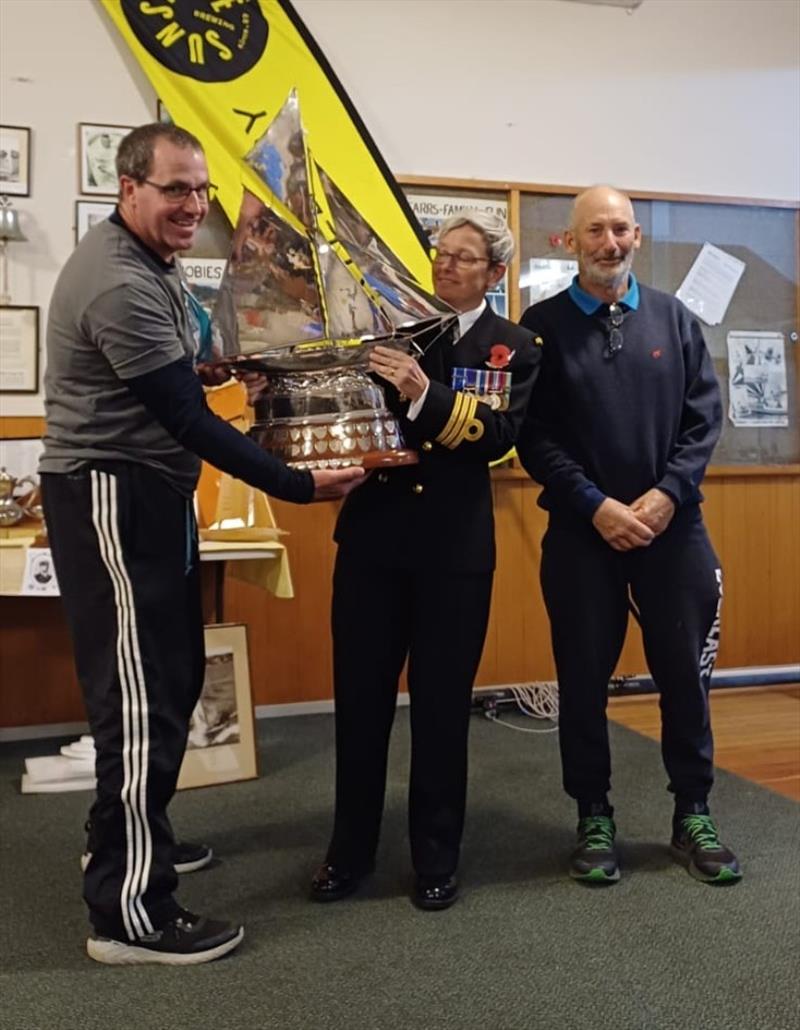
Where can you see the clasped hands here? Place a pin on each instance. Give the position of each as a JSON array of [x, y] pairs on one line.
[[627, 526]]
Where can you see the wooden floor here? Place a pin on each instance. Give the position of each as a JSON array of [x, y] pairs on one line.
[[756, 732]]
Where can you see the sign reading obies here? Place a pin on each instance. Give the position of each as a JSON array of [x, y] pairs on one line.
[[204, 277], [206, 272]]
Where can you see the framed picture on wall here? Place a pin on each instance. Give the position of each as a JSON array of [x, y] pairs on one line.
[[19, 349], [221, 746], [98, 145], [88, 213], [15, 160]]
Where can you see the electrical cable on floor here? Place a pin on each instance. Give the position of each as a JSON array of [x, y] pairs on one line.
[[535, 700]]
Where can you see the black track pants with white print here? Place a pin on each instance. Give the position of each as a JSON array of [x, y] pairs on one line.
[[124, 545], [675, 585]]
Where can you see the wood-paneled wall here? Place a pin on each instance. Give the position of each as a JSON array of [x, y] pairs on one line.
[[753, 520], [753, 516]]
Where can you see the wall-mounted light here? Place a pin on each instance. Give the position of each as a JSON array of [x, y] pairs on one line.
[[629, 5], [10, 232]]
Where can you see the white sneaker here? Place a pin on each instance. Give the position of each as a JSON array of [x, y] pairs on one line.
[[186, 940]]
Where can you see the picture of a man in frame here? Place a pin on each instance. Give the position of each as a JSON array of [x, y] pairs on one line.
[[99, 153], [9, 157]]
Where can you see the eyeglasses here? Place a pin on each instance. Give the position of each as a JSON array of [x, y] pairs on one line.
[[616, 316], [179, 192], [444, 257]]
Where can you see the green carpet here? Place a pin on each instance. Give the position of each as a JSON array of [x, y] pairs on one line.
[[524, 948]]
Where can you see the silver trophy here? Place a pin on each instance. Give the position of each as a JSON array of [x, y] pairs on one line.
[[308, 290]]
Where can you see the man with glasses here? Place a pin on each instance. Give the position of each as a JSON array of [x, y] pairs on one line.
[[127, 424], [621, 426], [414, 569]]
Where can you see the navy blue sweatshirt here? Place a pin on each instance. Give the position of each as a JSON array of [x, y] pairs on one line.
[[615, 427], [174, 395]]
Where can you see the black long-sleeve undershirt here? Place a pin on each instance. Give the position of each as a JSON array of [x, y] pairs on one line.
[[174, 395]]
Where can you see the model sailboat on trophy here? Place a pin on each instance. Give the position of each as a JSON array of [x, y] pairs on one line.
[[308, 290]]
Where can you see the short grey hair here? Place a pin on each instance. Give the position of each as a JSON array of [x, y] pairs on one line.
[[135, 154], [495, 231]]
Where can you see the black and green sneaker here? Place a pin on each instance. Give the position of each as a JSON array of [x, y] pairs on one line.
[[595, 858], [696, 845]]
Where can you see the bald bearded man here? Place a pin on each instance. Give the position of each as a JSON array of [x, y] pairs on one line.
[[621, 425]]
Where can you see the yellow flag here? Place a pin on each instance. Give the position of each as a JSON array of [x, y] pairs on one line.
[[223, 69]]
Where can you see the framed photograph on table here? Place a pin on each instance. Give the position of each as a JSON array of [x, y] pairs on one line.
[[88, 213], [98, 145], [19, 349], [221, 747], [15, 160]]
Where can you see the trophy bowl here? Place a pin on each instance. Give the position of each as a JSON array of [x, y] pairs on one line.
[[328, 418]]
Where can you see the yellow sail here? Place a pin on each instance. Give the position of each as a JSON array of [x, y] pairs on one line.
[[223, 68]]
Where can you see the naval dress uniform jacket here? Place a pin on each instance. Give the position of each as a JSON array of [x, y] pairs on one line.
[[413, 579], [616, 425]]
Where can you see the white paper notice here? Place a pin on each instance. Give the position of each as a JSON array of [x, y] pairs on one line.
[[18, 345], [21, 457], [709, 286], [757, 379], [39, 578]]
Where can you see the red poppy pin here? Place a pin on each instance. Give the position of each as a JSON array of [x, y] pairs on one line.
[[500, 356]]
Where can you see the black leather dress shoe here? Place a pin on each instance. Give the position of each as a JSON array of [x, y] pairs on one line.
[[435, 892], [331, 883]]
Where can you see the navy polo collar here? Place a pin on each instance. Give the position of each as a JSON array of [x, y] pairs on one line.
[[117, 219]]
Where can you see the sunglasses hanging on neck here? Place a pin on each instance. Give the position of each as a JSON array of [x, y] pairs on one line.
[[613, 329]]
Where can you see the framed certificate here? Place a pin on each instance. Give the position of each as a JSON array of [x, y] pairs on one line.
[[19, 349]]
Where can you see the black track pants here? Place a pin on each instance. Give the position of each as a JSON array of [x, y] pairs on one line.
[[438, 620], [124, 545], [676, 585]]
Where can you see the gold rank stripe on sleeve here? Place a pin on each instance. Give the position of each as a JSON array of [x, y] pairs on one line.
[[473, 430], [454, 422], [462, 424]]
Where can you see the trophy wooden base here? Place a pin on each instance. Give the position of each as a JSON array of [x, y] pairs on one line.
[[388, 459], [371, 460]]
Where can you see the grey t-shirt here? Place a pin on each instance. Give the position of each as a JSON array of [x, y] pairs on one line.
[[117, 312]]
